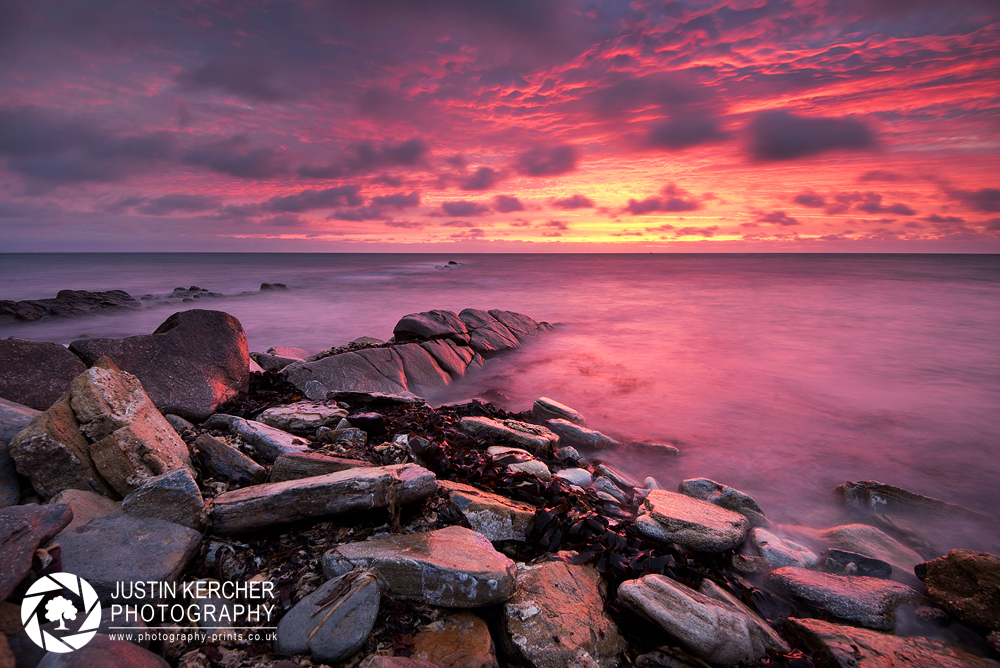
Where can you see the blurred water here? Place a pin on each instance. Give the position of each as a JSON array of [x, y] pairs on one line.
[[781, 375]]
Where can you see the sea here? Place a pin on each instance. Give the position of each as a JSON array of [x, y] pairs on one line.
[[782, 375]]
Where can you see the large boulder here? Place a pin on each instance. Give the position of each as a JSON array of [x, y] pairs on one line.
[[966, 584], [434, 324], [194, 362], [14, 417], [693, 523], [35, 374], [22, 530], [487, 335], [724, 496]]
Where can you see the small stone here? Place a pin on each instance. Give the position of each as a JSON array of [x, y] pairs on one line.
[[650, 483], [268, 442], [460, 640], [568, 455], [852, 563], [224, 462], [781, 552], [699, 525], [105, 652], [173, 496], [303, 417], [724, 497], [494, 516], [603, 484], [966, 584], [22, 530], [615, 476], [179, 424], [575, 435], [524, 434], [348, 436], [310, 464], [578, 477], [520, 461], [549, 409]]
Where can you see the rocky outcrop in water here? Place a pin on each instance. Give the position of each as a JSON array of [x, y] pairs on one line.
[[68, 303]]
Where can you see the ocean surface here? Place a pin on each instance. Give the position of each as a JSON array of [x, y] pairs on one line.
[[780, 375]]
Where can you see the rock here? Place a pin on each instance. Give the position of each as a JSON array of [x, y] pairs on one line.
[[179, 424], [193, 363], [266, 287], [10, 485], [310, 464], [348, 436], [872, 542], [693, 523], [781, 552], [23, 529], [377, 399], [558, 600], [253, 367], [518, 324], [453, 567], [459, 640], [434, 324], [7, 659], [378, 661], [487, 335], [224, 462], [36, 374], [724, 497], [519, 461], [268, 442], [668, 657], [105, 652], [332, 494], [333, 622], [851, 647], [549, 409], [575, 435], [603, 484], [568, 455], [348, 372], [289, 352], [173, 496], [454, 359], [494, 516], [122, 548], [714, 630], [14, 417], [86, 506], [420, 369], [272, 362], [303, 416], [966, 584], [578, 477], [650, 483], [852, 563], [870, 602], [373, 424], [615, 476], [871, 496], [515, 432], [760, 628]]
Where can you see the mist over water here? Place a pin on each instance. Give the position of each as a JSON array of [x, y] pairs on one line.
[[781, 375]]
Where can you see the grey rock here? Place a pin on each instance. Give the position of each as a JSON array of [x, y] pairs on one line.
[[453, 567], [122, 548], [494, 516], [578, 477], [332, 630], [288, 351], [224, 462], [870, 602], [346, 372], [423, 373], [173, 496], [14, 417], [179, 424], [693, 523], [454, 359], [616, 477], [105, 652], [86, 506], [568, 455], [519, 461], [549, 409], [343, 436], [303, 416], [650, 483], [487, 335], [435, 324], [518, 324], [724, 496], [875, 497], [269, 443], [852, 563], [34, 373], [782, 552], [514, 432], [10, 485], [273, 362], [22, 530], [874, 543], [310, 464], [68, 303], [575, 435], [605, 485], [655, 449]]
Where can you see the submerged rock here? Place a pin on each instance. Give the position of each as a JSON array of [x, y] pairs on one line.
[[876, 497], [872, 542], [549, 409], [36, 374], [966, 584], [726, 497], [781, 552], [852, 563], [575, 435], [693, 523]]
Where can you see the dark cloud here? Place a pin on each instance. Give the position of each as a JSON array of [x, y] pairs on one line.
[[573, 202], [780, 135], [879, 175], [458, 223], [474, 233], [507, 203], [283, 220], [464, 208], [405, 224], [178, 203], [810, 199], [307, 200], [368, 158], [232, 156], [680, 133], [398, 201], [935, 218], [986, 200], [555, 225], [696, 231], [252, 79], [546, 161], [483, 178], [361, 213], [674, 200], [872, 203], [777, 218]]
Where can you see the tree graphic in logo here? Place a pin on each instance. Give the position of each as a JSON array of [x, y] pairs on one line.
[[59, 610], [61, 597]]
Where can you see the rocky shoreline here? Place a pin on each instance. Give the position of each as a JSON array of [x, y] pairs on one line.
[[383, 532]]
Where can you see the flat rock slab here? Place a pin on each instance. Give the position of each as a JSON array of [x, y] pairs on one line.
[[494, 516], [573, 434], [870, 602], [578, 477], [310, 464], [303, 416], [851, 647], [558, 600], [549, 409], [337, 493], [453, 567], [843, 562], [966, 584], [460, 640], [122, 548], [224, 462], [513, 432], [107, 653], [693, 523], [269, 442], [173, 496], [724, 496], [22, 530], [34, 373]]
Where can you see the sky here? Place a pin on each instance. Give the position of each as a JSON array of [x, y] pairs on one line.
[[500, 126]]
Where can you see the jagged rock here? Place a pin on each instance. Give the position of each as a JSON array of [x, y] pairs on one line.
[[333, 494], [122, 548], [716, 630], [86, 506], [568, 455], [22, 530], [575, 435], [453, 567], [377, 399], [558, 600], [494, 516], [693, 523], [514, 432], [870, 602], [724, 496], [459, 640], [310, 464], [224, 462], [302, 416], [966, 584], [332, 630], [105, 652], [519, 461], [265, 287], [871, 542], [194, 362], [422, 372], [272, 362], [345, 436], [268, 442], [782, 552], [518, 324], [179, 424], [173, 496], [14, 417], [549, 409], [578, 477], [435, 324], [487, 335], [852, 563], [851, 647], [36, 374], [454, 359]]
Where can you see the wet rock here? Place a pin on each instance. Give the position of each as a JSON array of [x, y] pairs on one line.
[[460, 640], [268, 442], [22, 530], [453, 567], [578, 477], [966, 584], [872, 542], [105, 652], [577, 436], [86, 506], [435, 324], [615, 476], [272, 362], [14, 417], [549, 409], [851, 647], [344, 436], [420, 370], [520, 461], [333, 622], [487, 335], [356, 372], [173, 496], [371, 423], [518, 324], [494, 516], [122, 548], [568, 455], [272, 287], [650, 483], [870, 602], [558, 600], [224, 462], [852, 563], [310, 464], [36, 374], [871, 496], [648, 448], [724, 497], [668, 657], [332, 494], [303, 417], [179, 424], [781, 552], [514, 432], [454, 359], [717, 631], [603, 484], [378, 399], [693, 523], [194, 362]]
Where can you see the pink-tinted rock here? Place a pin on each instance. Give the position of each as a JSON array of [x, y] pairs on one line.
[[34, 373], [22, 530]]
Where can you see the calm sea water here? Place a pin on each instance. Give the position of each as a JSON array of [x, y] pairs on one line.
[[781, 375]]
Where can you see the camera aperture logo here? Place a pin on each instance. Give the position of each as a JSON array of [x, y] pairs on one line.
[[61, 612]]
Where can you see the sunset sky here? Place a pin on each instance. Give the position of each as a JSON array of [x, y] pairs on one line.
[[489, 125]]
